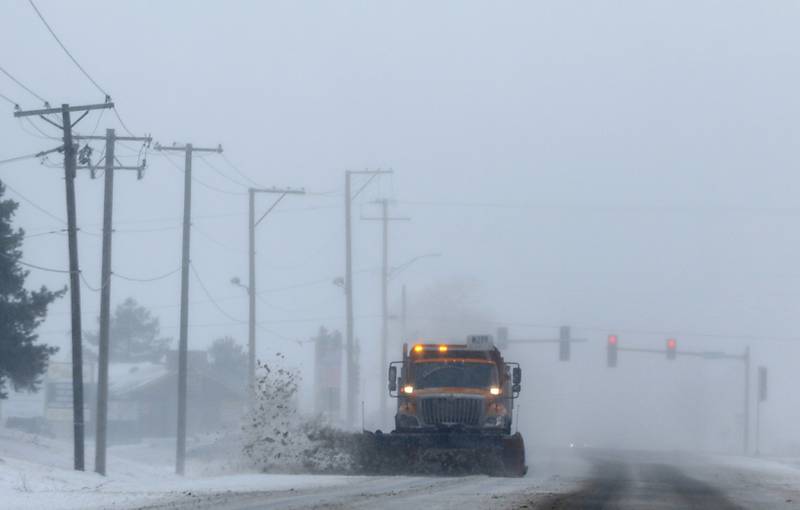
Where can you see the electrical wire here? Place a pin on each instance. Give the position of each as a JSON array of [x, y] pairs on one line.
[[198, 181], [18, 158], [210, 297], [42, 268], [89, 286], [27, 89], [122, 122], [40, 234], [147, 280], [34, 204], [74, 61], [42, 133], [11, 101], [221, 173], [241, 174]]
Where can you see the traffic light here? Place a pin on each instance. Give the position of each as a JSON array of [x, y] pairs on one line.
[[502, 337], [563, 344], [612, 350], [672, 346]]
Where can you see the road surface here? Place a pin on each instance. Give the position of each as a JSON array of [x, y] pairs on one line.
[[586, 480]]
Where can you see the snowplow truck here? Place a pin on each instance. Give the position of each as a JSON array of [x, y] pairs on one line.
[[454, 411]]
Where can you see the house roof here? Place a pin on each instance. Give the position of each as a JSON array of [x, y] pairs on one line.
[[124, 378]]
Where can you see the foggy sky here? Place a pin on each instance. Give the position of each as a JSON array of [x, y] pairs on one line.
[[624, 166]]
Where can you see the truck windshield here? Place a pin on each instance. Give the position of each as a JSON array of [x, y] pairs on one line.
[[454, 374]]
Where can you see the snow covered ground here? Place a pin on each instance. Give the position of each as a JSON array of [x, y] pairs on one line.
[[35, 473]]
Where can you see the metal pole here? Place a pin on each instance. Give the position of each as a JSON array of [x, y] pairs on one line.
[[180, 456], [746, 438], [75, 290], [352, 382], [105, 309], [384, 306], [404, 321], [251, 291]]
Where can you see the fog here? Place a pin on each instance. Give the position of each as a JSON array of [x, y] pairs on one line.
[[618, 167]]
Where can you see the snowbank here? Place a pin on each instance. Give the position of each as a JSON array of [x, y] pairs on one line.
[[35, 473]]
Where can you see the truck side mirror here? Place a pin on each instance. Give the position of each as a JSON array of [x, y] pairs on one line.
[[516, 376], [392, 378]]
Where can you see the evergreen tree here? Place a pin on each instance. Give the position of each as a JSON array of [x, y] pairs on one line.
[[228, 360], [22, 359], [134, 334]]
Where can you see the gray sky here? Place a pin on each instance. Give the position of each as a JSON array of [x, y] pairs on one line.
[[622, 166]]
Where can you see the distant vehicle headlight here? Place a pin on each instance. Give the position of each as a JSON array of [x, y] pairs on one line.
[[494, 390], [408, 389]]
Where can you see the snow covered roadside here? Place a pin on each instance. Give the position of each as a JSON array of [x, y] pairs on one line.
[[35, 473]]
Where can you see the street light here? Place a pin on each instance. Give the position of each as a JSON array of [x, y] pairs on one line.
[[237, 282], [402, 267]]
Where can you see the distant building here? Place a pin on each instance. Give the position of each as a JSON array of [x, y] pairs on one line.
[[328, 360], [143, 398]]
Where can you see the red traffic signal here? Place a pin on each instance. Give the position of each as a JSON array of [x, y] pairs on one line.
[[672, 346], [611, 358]]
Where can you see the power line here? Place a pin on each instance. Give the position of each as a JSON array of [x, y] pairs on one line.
[[37, 128], [201, 183], [241, 174], [146, 280], [34, 204], [210, 297], [36, 266], [122, 122], [11, 101], [18, 158], [28, 90], [42, 268], [221, 173], [74, 61]]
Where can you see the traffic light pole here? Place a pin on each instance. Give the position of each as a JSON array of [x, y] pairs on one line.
[[673, 352], [564, 341]]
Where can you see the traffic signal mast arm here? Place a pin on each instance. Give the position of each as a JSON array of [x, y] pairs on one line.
[[697, 354]]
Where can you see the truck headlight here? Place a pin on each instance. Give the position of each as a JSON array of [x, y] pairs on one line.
[[494, 390]]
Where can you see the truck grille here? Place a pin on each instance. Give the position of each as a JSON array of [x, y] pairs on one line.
[[451, 411]]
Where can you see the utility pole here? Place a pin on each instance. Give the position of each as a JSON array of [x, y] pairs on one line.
[[384, 219], [74, 269], [352, 371], [101, 419], [251, 288], [183, 341], [404, 315], [746, 438]]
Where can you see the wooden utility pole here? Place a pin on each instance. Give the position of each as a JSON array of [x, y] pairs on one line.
[[251, 288], [183, 340], [110, 168], [384, 361], [74, 269], [352, 361]]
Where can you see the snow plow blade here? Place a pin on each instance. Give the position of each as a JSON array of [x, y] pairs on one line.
[[442, 454]]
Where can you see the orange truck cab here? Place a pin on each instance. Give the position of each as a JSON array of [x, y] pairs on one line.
[[446, 387]]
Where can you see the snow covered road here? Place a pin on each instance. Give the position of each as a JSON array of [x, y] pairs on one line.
[[35, 474]]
